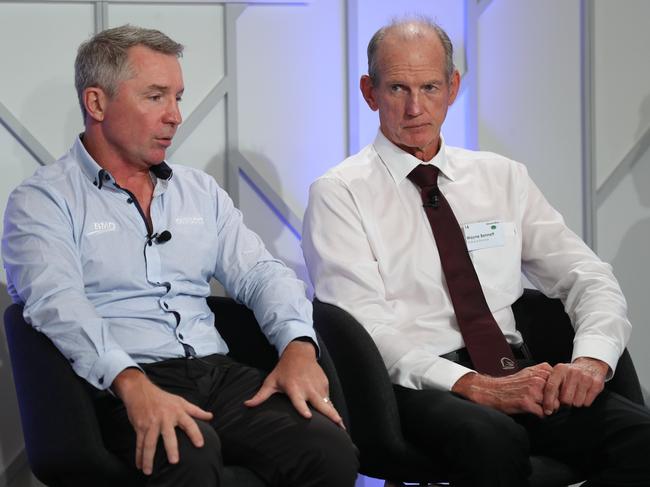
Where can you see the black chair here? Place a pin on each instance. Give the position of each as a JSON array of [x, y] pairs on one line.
[[374, 418], [62, 437]]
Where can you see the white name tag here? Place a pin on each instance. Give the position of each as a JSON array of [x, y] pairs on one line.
[[483, 235]]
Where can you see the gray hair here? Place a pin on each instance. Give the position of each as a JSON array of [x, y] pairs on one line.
[[402, 26], [102, 60]]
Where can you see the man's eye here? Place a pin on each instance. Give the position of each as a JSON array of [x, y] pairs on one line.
[[155, 97], [396, 88], [179, 99], [430, 88]]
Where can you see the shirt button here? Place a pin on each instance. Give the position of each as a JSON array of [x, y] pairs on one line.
[[71, 360], [101, 380], [166, 305], [106, 177], [129, 201], [180, 335]]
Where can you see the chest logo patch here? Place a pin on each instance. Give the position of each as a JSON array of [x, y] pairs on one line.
[[102, 227], [189, 220]]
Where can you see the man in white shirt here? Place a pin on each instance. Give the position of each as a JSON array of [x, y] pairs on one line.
[[370, 250]]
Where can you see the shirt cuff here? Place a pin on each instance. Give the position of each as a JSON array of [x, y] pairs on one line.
[[292, 330], [597, 348], [444, 374], [107, 367]]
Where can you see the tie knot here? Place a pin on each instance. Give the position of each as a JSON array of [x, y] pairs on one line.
[[425, 175]]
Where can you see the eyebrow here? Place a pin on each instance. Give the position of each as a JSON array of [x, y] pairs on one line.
[[155, 87], [162, 88]]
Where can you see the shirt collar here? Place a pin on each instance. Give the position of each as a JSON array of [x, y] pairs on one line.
[[100, 176], [400, 163]]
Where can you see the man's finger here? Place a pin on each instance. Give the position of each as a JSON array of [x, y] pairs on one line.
[[300, 404], [551, 390], [324, 405], [262, 395], [198, 413], [580, 394], [568, 390], [149, 449], [170, 441], [192, 430], [534, 408], [139, 446], [592, 394]]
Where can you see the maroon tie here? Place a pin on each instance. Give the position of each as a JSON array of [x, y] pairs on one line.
[[487, 347]]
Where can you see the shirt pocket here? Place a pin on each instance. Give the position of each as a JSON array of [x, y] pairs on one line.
[[499, 268]]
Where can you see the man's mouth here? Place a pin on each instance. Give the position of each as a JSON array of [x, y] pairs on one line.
[[166, 141]]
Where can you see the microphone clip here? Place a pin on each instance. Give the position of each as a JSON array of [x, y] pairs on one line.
[[159, 238]]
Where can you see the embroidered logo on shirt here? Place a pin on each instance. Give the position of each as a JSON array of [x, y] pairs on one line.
[[189, 220], [102, 227]]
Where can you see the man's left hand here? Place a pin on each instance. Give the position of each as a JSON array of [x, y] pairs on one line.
[[576, 384], [299, 376]]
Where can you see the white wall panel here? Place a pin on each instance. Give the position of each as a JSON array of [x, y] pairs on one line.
[[37, 84], [278, 238], [199, 28], [291, 94], [529, 94], [622, 79]]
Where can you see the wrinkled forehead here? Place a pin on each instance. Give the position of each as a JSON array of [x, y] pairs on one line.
[[423, 51]]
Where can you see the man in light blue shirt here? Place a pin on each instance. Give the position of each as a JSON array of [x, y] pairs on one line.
[[111, 251]]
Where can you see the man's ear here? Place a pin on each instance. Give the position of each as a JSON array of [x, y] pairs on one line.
[[367, 90], [95, 101], [454, 87]]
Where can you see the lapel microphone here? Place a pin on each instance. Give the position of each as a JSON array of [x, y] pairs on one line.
[[159, 238], [164, 236]]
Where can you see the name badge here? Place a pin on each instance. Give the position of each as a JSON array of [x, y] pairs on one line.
[[483, 235]]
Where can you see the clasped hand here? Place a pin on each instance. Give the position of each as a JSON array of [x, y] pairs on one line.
[[540, 389]]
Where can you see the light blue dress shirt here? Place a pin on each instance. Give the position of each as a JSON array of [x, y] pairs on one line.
[[79, 256]]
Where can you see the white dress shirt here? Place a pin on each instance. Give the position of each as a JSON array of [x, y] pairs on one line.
[[370, 250]]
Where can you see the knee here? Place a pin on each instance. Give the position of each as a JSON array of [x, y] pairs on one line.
[[495, 437], [328, 455], [197, 465]]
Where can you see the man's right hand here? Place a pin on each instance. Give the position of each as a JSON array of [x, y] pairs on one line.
[[154, 412], [522, 392]]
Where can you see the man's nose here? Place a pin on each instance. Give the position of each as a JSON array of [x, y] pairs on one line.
[[413, 107], [173, 114]]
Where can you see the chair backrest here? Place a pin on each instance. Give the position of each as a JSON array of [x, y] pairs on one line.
[[374, 418], [62, 436]]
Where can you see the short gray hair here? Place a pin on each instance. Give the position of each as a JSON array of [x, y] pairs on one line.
[[401, 26], [102, 60]]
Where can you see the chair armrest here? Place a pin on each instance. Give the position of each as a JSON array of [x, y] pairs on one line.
[[548, 333], [374, 417]]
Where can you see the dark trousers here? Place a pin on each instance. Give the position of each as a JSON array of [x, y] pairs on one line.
[[482, 447], [272, 440]]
